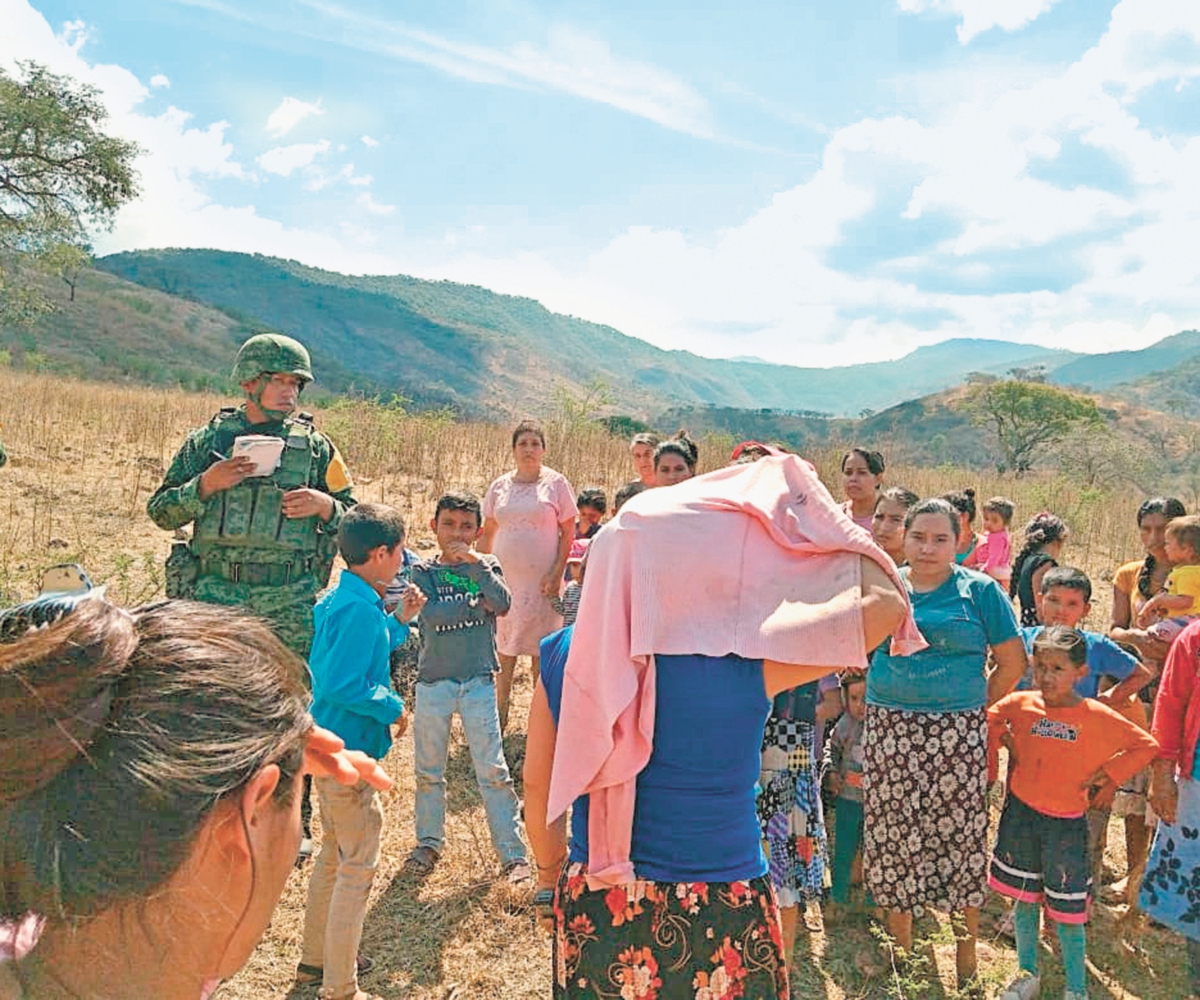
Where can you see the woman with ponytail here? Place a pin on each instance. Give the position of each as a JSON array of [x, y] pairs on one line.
[[1045, 536], [1136, 582], [150, 766]]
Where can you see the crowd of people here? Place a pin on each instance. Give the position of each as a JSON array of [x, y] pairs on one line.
[[755, 705]]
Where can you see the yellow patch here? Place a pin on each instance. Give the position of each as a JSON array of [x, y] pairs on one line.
[[337, 476]]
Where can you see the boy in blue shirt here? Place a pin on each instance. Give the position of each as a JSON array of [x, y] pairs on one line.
[[353, 696]]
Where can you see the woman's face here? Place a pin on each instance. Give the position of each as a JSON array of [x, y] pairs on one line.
[[858, 481], [671, 469], [887, 526], [643, 461], [929, 543], [529, 451], [1153, 530]]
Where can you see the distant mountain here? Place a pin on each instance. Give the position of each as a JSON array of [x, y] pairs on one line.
[[1175, 390], [1100, 371]]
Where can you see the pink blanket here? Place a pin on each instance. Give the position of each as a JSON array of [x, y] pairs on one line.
[[756, 560]]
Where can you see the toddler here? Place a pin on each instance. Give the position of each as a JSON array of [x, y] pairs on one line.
[[1066, 753], [844, 767], [592, 505], [1179, 601], [567, 604], [993, 554]]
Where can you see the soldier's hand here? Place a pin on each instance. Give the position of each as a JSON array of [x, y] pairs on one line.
[[224, 475], [305, 502]]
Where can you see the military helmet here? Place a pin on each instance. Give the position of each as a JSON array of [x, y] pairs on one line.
[[271, 352]]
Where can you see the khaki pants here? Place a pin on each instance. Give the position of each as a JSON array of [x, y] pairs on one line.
[[352, 821]]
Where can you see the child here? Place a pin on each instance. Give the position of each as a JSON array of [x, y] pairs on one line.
[[1045, 536], [568, 604], [352, 696], [627, 493], [592, 505], [1180, 599], [455, 674], [1065, 753], [992, 554], [844, 763]]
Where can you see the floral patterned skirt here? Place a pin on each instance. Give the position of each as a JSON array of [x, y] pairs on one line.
[[925, 808], [790, 812], [667, 940], [1171, 887]]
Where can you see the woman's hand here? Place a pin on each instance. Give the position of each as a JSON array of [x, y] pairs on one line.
[[326, 756], [1164, 792], [551, 584]]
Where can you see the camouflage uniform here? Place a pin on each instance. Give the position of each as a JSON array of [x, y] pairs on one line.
[[243, 550]]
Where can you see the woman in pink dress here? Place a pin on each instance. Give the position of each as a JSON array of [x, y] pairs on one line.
[[529, 524], [862, 475]]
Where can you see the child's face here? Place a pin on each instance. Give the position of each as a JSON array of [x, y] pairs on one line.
[[1064, 606], [588, 518], [1177, 552], [1055, 675], [575, 570], [993, 522], [455, 526], [856, 701]]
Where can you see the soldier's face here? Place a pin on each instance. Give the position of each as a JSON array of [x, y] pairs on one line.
[[280, 391]]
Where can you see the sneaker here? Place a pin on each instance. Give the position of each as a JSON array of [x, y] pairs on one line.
[[1026, 986], [517, 871]]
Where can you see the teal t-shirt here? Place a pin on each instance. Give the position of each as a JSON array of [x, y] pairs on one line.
[[960, 620]]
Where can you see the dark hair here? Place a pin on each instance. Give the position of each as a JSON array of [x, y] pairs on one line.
[[630, 489], [1186, 530], [467, 502], [1069, 577], [1042, 530], [934, 505], [1002, 506], [962, 501], [1060, 639], [593, 497], [645, 438], [365, 527], [528, 427], [1169, 508], [851, 677], [899, 495], [680, 445], [873, 459], [120, 733]]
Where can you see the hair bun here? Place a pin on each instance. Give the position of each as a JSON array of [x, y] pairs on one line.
[[969, 492]]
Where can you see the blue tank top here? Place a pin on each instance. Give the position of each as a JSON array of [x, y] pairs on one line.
[[694, 818]]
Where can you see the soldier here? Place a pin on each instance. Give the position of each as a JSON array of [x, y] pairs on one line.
[[265, 543]]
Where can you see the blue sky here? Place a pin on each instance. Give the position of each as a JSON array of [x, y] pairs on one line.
[[805, 182]]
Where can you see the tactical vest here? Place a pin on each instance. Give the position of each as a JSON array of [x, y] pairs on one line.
[[245, 525]]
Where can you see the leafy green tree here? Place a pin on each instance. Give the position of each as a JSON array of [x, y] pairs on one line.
[[1027, 417], [60, 178]]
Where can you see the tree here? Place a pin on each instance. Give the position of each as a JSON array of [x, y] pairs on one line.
[[60, 177], [1027, 416]]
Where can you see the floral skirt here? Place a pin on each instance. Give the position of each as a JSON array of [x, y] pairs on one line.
[[790, 812], [667, 940], [1171, 887], [925, 808]]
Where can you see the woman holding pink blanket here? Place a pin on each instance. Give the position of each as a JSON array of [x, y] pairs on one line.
[[702, 602]]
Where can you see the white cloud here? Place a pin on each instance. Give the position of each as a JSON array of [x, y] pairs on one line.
[[369, 142], [374, 207], [979, 16], [283, 160], [290, 113], [159, 80]]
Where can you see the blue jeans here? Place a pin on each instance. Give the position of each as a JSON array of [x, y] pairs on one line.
[[475, 702]]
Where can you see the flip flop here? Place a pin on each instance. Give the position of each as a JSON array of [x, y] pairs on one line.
[[306, 974], [421, 861]]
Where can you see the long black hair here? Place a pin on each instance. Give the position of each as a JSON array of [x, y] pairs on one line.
[[1169, 508], [1040, 532]]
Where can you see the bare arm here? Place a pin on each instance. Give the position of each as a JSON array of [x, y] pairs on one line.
[[488, 537], [552, 582], [1011, 664], [1122, 611], [1126, 689], [549, 841]]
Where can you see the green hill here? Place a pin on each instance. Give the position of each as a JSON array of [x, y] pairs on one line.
[[1102, 371]]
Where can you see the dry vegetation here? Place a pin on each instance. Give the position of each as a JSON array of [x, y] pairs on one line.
[[83, 459]]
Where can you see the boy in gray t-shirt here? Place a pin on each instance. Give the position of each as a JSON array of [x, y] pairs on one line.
[[466, 592]]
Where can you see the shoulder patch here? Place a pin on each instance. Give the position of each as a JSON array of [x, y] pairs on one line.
[[337, 475]]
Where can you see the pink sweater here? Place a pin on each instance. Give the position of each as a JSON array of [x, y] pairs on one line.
[[992, 555], [756, 560]]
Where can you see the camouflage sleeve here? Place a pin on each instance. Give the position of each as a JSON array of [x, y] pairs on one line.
[[177, 501], [335, 480]]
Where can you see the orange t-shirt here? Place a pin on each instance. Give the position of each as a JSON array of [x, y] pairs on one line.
[[1057, 750]]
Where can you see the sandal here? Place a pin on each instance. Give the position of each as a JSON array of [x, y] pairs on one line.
[[306, 974], [517, 871], [421, 861]]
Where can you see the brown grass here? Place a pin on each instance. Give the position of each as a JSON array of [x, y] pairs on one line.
[[84, 458]]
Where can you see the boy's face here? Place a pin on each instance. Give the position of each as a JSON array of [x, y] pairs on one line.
[[856, 701], [575, 570], [993, 522], [1064, 606], [1055, 675], [455, 526], [1178, 553], [588, 517]]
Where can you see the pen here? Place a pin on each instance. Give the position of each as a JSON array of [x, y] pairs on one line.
[[218, 456]]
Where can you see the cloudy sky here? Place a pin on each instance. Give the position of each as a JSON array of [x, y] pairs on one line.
[[802, 181]]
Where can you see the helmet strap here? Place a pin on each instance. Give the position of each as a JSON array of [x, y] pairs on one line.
[[276, 416]]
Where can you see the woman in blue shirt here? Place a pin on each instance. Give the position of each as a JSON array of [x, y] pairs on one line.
[[925, 739]]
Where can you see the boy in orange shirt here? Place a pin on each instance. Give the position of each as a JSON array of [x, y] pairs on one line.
[[1066, 753]]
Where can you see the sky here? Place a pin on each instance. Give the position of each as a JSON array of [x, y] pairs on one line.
[[804, 182]]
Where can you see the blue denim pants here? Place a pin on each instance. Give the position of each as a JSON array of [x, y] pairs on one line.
[[475, 702]]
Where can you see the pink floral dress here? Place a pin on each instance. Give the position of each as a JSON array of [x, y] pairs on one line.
[[526, 545]]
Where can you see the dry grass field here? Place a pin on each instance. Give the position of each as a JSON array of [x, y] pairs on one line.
[[83, 459]]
